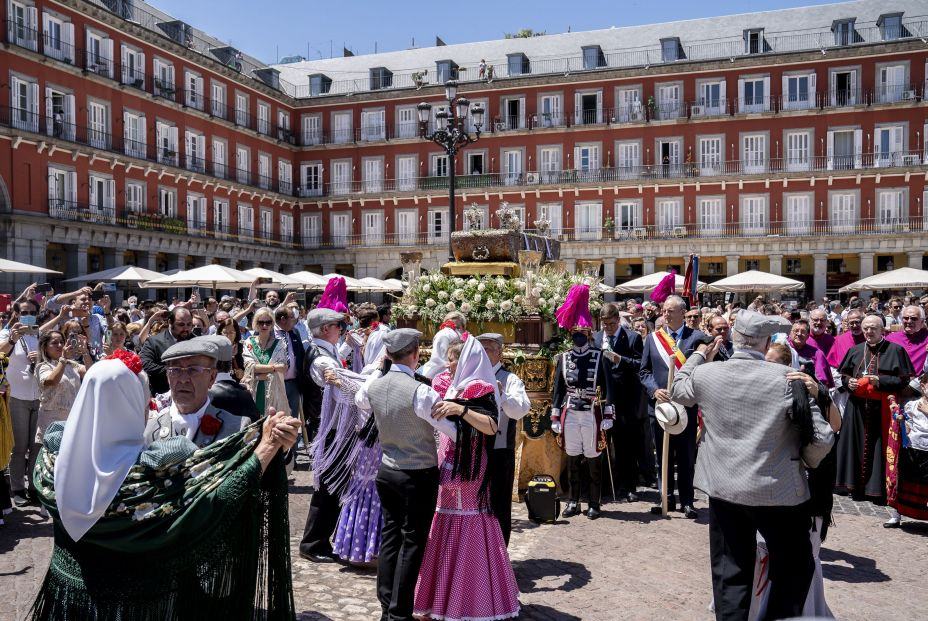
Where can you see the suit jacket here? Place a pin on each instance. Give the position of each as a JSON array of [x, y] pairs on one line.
[[750, 452], [234, 398], [626, 385], [161, 427], [653, 372], [151, 352], [299, 353]]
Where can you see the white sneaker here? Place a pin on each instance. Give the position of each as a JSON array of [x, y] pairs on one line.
[[894, 521]]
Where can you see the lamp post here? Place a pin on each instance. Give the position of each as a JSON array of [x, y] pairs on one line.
[[451, 134]]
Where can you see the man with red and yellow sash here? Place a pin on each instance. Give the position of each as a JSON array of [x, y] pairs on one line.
[[672, 345]]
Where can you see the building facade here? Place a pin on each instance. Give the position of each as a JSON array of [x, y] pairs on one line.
[[791, 141]]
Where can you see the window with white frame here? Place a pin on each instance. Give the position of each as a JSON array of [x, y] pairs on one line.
[[98, 123], [588, 107], [264, 118], [311, 179], [512, 166], [373, 126], [668, 154], [341, 229], [711, 98], [132, 71], [553, 213], [892, 84], [475, 162], [167, 202], [798, 213], [669, 101], [586, 159], [246, 221], [196, 212], [196, 151], [628, 217], [311, 230], [549, 111], [407, 122], [283, 126], [843, 90], [439, 167], [60, 118], [799, 91], [471, 123], [99, 53], [844, 148], [888, 145], [242, 164], [166, 138], [341, 127], [550, 165], [669, 215], [754, 153], [265, 180], [406, 173], [372, 227], [406, 226], [241, 109], [164, 78], [221, 222], [284, 176], [286, 227], [341, 177], [62, 191], [135, 197], [628, 158], [220, 158], [842, 211], [924, 210], [890, 212], [513, 112], [372, 174], [798, 151], [754, 215], [628, 104], [193, 90], [218, 104], [711, 214], [754, 94], [134, 134], [438, 225], [102, 196], [266, 224], [24, 101], [312, 129], [588, 220], [710, 155], [22, 25]]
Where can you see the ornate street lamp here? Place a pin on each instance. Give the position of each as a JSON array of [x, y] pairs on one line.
[[451, 134]]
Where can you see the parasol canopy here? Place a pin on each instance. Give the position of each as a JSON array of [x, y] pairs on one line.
[[646, 284], [15, 267], [754, 280], [215, 276], [902, 278], [126, 273], [277, 279]]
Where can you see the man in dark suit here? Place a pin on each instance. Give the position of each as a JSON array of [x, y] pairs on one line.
[[180, 324], [622, 351], [674, 342], [284, 328], [227, 393]]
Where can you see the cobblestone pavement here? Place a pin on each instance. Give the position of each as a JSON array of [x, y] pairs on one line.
[[626, 565]]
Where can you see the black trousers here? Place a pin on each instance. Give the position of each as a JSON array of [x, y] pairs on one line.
[[321, 522], [503, 463], [732, 550], [408, 499], [595, 468], [626, 443], [682, 455]]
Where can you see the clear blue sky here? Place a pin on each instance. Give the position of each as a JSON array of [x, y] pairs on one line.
[[268, 28]]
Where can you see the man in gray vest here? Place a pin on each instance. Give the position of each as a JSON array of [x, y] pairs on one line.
[[407, 412], [513, 406]]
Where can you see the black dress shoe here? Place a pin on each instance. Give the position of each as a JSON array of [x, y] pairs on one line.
[[632, 497], [689, 512], [20, 500], [571, 510], [317, 558], [593, 513]]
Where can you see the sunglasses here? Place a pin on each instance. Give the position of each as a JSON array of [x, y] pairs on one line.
[[265, 323], [27, 314], [187, 371]]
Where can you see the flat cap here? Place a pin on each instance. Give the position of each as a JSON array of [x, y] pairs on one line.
[[751, 323], [491, 336], [192, 347], [319, 317], [222, 344], [399, 339]]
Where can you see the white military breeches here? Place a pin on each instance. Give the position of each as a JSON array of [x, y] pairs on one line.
[[580, 433]]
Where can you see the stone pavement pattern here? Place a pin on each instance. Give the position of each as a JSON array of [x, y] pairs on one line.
[[626, 565]]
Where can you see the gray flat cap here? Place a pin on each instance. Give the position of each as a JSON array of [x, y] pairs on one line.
[[399, 339], [319, 317], [751, 323], [191, 347], [223, 345], [491, 336]]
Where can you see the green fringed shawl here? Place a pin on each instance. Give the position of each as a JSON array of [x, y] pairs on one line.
[[203, 538]]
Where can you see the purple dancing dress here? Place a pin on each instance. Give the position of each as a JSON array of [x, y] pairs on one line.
[[357, 538]]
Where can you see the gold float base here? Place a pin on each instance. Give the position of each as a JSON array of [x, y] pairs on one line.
[[471, 268]]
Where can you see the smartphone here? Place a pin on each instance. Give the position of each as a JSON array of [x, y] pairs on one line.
[[109, 287], [73, 340], [97, 295], [263, 280], [107, 338], [45, 287]]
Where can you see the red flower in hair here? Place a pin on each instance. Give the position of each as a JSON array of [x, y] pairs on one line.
[[448, 324], [374, 325], [209, 425], [130, 359]]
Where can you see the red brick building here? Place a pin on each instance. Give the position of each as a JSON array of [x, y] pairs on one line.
[[790, 141]]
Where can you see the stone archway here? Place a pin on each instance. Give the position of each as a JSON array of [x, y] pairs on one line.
[[6, 205]]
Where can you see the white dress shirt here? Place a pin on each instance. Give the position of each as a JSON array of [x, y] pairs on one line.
[[423, 401], [187, 424], [514, 404], [321, 363]]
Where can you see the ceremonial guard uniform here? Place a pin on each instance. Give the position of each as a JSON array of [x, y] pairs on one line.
[[577, 414]]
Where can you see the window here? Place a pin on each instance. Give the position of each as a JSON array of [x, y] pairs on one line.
[[241, 109], [135, 197], [311, 179], [843, 212], [798, 213], [406, 173], [844, 32], [196, 151], [286, 228], [754, 215], [311, 232], [132, 71], [164, 79], [220, 158], [407, 227], [553, 213], [372, 125], [59, 114], [134, 134], [439, 165], [284, 177], [447, 70], [891, 84], [267, 224], [381, 77], [710, 155], [24, 101], [58, 37], [888, 145], [243, 165], [264, 118], [22, 22], [711, 216], [99, 54], [628, 159], [341, 229], [799, 91], [669, 215], [372, 174], [550, 168], [246, 222], [265, 180], [754, 41], [341, 128], [754, 153], [407, 122], [319, 84], [283, 126], [341, 177], [513, 112], [627, 217], [586, 161], [312, 129], [668, 154], [754, 94], [62, 192], [221, 224], [550, 111], [518, 64], [193, 90], [593, 57], [102, 197], [218, 103], [438, 225], [890, 214], [711, 99], [196, 213], [798, 151], [588, 220], [588, 108], [891, 26], [372, 228], [476, 162], [628, 105], [669, 101], [844, 149], [843, 88], [167, 202], [98, 134], [512, 167], [671, 50]]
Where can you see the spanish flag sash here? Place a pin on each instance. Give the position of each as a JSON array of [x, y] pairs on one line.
[[668, 349]]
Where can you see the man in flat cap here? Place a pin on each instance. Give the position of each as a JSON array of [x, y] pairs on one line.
[[190, 367], [326, 327], [513, 406], [227, 393], [752, 465]]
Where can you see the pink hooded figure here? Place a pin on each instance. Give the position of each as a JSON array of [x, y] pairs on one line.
[[575, 311], [335, 296], [665, 288]]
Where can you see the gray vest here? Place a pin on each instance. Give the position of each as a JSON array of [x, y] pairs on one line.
[[408, 442]]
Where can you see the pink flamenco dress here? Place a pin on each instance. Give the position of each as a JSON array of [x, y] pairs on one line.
[[466, 574]]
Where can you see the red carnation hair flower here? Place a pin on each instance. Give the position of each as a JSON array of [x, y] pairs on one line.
[[130, 359]]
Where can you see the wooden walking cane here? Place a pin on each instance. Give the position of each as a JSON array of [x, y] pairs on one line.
[[665, 449]]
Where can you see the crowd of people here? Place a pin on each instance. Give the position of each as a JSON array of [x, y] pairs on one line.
[[414, 461]]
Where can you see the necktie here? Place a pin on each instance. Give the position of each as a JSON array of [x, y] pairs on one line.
[[612, 342]]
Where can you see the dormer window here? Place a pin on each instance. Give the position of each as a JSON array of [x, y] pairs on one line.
[[593, 57], [180, 32], [891, 26], [844, 32], [447, 70], [518, 64], [671, 50], [381, 77], [754, 41], [319, 84]]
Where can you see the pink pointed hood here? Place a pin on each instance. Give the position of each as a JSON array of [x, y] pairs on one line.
[[335, 296], [575, 311]]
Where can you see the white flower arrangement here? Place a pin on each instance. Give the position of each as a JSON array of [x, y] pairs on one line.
[[450, 306], [442, 295], [430, 302]]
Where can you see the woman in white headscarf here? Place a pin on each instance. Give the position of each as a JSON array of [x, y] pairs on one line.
[[449, 333], [466, 572]]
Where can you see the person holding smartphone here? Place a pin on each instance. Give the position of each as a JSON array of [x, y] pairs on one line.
[[59, 378]]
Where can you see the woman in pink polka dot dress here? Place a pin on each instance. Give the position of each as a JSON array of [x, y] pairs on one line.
[[466, 573]]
